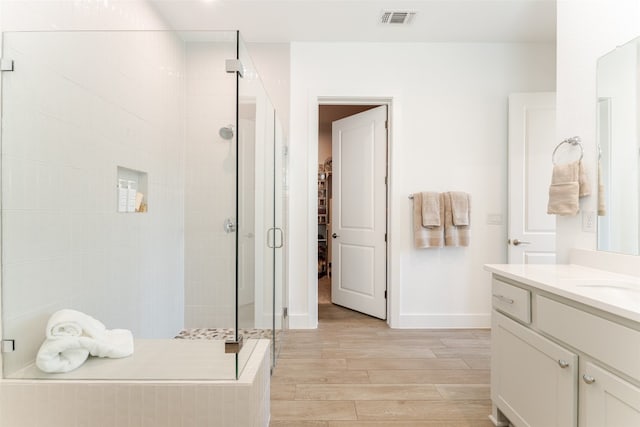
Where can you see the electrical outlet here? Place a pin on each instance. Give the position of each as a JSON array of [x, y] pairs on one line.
[[589, 221]]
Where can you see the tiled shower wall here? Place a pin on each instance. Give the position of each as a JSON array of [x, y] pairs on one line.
[[76, 107], [210, 194]]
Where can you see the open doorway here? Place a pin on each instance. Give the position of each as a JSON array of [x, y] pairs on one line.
[[335, 247]]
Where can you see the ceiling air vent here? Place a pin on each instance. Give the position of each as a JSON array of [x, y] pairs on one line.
[[396, 17]]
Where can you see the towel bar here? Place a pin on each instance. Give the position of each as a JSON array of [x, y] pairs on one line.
[[572, 141], [411, 196]]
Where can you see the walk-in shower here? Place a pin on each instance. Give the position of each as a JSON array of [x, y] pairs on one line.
[[116, 203]]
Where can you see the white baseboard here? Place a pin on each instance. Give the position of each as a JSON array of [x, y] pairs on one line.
[[443, 321], [415, 321], [300, 321]]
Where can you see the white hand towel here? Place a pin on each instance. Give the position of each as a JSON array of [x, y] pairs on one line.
[[454, 235], [564, 190], [602, 205], [583, 181], [426, 237], [460, 208], [430, 209], [60, 355], [72, 323]]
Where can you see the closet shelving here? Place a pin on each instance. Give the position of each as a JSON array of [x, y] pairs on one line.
[[323, 220]]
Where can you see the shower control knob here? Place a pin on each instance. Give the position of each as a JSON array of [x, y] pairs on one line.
[[334, 235]]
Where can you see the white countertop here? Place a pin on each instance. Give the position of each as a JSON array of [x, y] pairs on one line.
[[617, 294]]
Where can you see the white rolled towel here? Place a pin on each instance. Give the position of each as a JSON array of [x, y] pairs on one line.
[[60, 355], [64, 354], [116, 343], [72, 323]]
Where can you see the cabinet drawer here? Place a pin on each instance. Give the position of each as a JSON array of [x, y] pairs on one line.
[[511, 300], [607, 341]]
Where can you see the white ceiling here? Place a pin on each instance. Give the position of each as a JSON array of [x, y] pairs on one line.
[[509, 21]]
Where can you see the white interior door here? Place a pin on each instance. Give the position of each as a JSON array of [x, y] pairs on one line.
[[532, 124], [358, 217]]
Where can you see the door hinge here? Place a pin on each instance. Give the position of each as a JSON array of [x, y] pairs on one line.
[[6, 64], [385, 237], [385, 180], [386, 124], [285, 312], [232, 346], [8, 346], [385, 294]]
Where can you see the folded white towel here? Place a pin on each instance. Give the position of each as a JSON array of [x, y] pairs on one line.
[[459, 208], [64, 354], [454, 235], [72, 323], [602, 205], [569, 182], [72, 336], [583, 181], [426, 237], [115, 344], [430, 209], [61, 355]]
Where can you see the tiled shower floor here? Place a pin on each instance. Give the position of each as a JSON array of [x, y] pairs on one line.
[[222, 334]]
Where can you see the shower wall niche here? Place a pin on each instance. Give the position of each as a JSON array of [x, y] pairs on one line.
[[85, 113]]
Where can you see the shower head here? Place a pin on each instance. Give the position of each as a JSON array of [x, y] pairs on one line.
[[226, 132]]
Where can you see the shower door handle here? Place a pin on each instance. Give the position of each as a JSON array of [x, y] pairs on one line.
[[270, 232], [281, 237]]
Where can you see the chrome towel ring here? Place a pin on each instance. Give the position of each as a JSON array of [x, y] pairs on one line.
[[571, 141]]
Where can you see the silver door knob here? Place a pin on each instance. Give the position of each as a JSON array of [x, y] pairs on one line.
[[334, 235], [517, 242], [563, 363], [588, 379]]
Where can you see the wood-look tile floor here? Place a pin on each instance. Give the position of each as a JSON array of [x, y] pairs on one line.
[[355, 371]]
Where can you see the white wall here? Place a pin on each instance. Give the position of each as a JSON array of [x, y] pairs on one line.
[[71, 119], [272, 62], [586, 31], [449, 132]]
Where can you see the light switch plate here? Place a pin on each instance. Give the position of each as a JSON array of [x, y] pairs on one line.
[[494, 219]]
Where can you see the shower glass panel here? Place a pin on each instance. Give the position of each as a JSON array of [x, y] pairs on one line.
[[280, 217], [128, 161], [261, 234]]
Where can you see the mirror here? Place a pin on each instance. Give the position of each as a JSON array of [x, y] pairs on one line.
[[618, 91]]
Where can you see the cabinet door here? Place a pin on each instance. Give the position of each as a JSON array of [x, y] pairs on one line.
[[533, 380], [606, 400]]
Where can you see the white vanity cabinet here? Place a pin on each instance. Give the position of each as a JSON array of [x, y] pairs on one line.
[[558, 362], [534, 380], [607, 400]]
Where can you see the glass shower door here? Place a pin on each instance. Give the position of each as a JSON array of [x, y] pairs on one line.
[[261, 236]]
